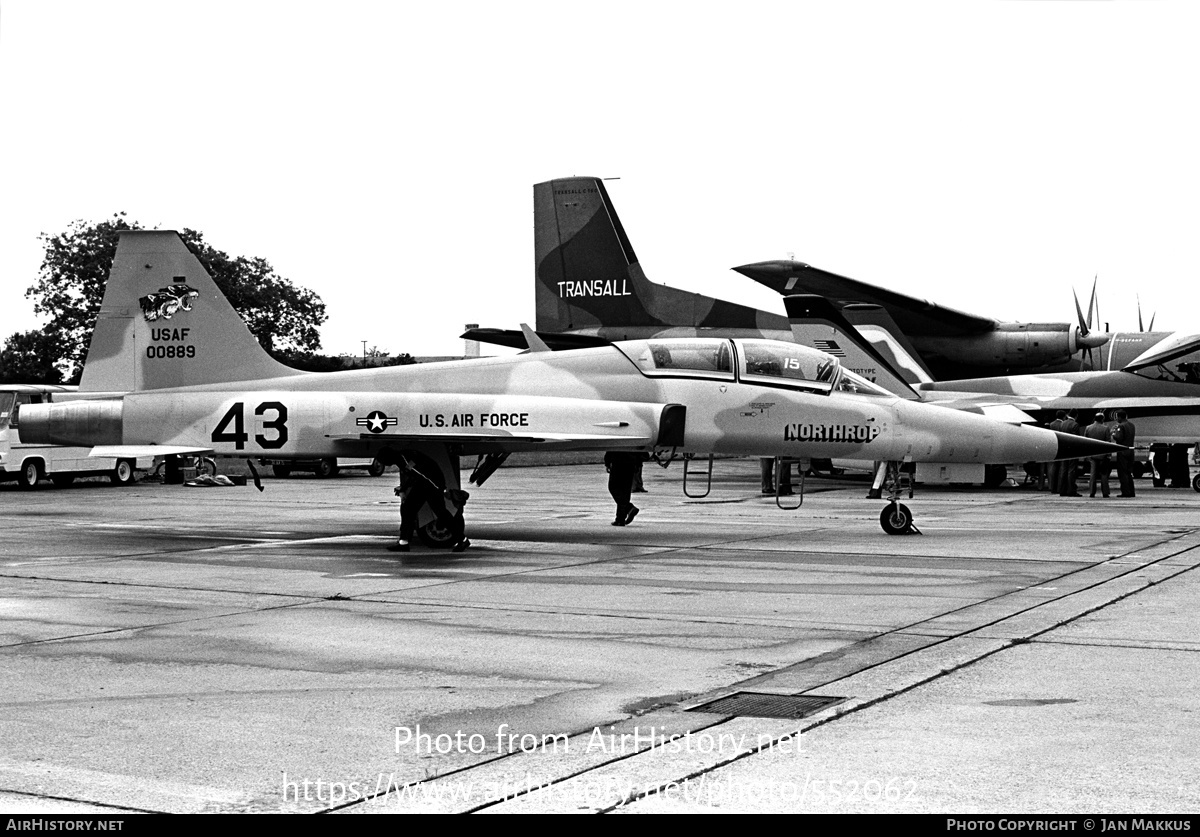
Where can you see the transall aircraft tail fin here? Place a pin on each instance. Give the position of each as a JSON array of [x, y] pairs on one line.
[[818, 324], [588, 277], [165, 323]]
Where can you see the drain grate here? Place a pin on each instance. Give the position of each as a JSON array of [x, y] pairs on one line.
[[763, 705]]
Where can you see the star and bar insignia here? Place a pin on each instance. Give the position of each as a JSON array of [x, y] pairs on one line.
[[376, 421]]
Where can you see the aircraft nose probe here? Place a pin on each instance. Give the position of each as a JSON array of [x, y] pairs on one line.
[[1071, 446]]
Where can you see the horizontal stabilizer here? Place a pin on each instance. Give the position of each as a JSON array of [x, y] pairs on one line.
[[516, 339]]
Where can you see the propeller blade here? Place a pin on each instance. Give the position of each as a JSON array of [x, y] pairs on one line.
[[1092, 304], [1083, 326], [1152, 316], [1141, 328]]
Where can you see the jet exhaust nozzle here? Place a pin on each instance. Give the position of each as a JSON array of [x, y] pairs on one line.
[[75, 423]]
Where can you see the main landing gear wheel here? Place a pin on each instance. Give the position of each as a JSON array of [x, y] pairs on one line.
[[436, 536], [376, 468], [896, 519]]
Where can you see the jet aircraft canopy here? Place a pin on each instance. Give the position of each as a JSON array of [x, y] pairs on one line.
[[770, 362]]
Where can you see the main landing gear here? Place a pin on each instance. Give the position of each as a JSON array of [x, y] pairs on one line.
[[896, 519]]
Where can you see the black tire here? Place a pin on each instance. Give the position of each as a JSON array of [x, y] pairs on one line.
[[326, 468], [123, 473], [895, 519], [206, 467], [281, 471], [1196, 482], [376, 468], [436, 536], [62, 480], [30, 473]]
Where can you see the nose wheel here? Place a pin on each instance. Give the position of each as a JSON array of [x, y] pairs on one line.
[[896, 519]]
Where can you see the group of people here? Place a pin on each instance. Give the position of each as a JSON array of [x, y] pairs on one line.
[[1063, 474]]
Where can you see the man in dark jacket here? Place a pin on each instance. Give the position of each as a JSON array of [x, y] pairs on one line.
[[1054, 469], [621, 466], [1067, 486], [1101, 465], [1124, 433], [415, 491]]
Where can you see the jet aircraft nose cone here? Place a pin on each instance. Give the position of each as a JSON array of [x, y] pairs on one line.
[[1071, 446]]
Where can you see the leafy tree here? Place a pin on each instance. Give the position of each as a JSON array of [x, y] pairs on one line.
[[70, 287], [29, 358]]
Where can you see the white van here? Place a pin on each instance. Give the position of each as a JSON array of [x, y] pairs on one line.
[[29, 464]]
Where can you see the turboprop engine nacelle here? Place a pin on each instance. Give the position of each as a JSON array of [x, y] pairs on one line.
[[1016, 345]]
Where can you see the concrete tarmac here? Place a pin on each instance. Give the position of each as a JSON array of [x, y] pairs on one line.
[[178, 649]]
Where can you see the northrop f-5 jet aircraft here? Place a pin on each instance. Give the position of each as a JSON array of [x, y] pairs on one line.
[[172, 369]]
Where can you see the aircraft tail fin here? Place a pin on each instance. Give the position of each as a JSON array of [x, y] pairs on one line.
[[876, 325], [165, 323], [817, 323], [587, 276]]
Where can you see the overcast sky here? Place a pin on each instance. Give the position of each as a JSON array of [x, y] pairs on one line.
[[989, 155]]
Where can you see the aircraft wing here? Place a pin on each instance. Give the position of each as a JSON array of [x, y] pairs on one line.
[[507, 438], [134, 451], [996, 407], [914, 316]]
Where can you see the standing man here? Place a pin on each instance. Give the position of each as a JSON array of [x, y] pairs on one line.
[[1055, 468], [1100, 464], [1124, 433], [1067, 487], [768, 477], [621, 466], [415, 491]]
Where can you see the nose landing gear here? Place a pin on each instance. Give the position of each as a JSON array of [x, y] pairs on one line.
[[896, 519]]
